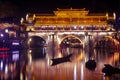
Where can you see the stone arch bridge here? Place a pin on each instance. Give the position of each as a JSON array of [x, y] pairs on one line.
[[85, 39]]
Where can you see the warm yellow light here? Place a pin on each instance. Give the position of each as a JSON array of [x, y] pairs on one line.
[[114, 15], [27, 29], [34, 17], [27, 17], [21, 20], [32, 29], [107, 15], [29, 42]]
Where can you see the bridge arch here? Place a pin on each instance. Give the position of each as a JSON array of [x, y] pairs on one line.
[[107, 42], [35, 42], [116, 42], [73, 39]]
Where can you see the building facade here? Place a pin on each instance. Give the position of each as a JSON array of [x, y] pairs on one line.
[[69, 19]]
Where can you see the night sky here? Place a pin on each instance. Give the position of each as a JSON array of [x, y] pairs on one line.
[[22, 7]]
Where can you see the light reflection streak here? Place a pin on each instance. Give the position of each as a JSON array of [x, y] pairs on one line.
[[113, 58], [15, 57], [75, 74], [82, 72], [43, 51], [103, 77], [1, 65], [60, 55], [68, 51], [15, 52], [80, 57], [6, 69], [21, 76], [59, 40], [30, 56]]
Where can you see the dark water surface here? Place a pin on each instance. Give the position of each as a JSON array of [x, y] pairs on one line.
[[35, 64]]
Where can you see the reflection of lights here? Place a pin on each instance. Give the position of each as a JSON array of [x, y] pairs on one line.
[[1, 35], [15, 57], [60, 55], [51, 37], [59, 40], [43, 50], [75, 74], [68, 50], [3, 55], [2, 49], [30, 51], [48, 39], [15, 52], [82, 74], [113, 58], [6, 68], [1, 65], [50, 62], [29, 41], [30, 58], [80, 57], [116, 56], [21, 76]]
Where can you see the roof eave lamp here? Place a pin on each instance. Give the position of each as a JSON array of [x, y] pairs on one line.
[[34, 17], [22, 20], [27, 17], [114, 15], [107, 15]]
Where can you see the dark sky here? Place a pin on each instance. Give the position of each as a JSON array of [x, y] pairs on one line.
[[22, 7]]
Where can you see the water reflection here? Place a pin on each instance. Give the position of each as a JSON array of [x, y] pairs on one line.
[[35, 64], [36, 53], [9, 65]]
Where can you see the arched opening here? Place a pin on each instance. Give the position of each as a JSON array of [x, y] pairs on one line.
[[70, 44], [35, 42], [36, 47], [107, 42]]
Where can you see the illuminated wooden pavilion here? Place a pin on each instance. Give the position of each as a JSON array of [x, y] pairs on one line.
[[68, 18]]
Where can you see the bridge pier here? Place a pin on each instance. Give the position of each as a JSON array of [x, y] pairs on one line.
[[53, 49], [53, 46]]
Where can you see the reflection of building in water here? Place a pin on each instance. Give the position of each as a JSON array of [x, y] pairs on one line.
[[69, 19]]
